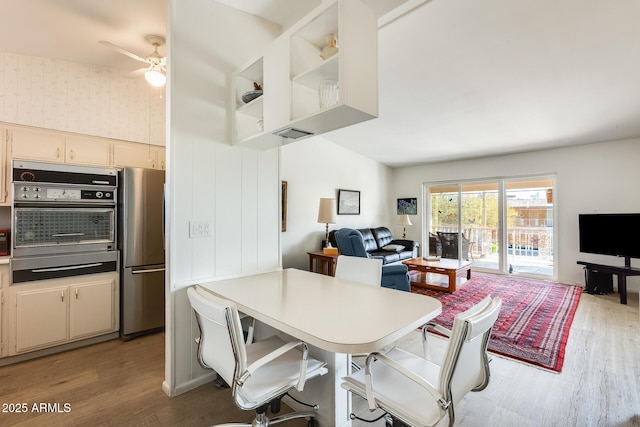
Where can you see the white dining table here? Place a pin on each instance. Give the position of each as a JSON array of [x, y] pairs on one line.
[[335, 317]]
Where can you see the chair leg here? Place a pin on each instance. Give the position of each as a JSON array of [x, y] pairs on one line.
[[261, 419], [309, 415]]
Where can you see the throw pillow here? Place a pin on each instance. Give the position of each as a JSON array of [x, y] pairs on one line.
[[393, 248]]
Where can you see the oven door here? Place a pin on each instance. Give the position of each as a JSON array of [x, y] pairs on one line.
[[51, 230], [24, 270]]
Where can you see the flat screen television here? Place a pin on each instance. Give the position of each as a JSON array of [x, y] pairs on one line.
[[610, 234]]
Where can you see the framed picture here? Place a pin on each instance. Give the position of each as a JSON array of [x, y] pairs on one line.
[[348, 202], [284, 205], [408, 206]]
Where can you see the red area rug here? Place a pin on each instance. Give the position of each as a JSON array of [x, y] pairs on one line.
[[534, 321]]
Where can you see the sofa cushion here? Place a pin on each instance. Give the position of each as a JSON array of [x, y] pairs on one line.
[[370, 243], [382, 235], [393, 248], [387, 257]]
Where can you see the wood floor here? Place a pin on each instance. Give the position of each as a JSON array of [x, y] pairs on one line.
[[119, 383]]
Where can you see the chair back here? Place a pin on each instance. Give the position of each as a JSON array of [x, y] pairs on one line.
[[465, 365], [221, 341], [361, 270], [350, 242]]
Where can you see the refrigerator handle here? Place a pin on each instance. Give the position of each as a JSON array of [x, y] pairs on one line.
[[151, 270]]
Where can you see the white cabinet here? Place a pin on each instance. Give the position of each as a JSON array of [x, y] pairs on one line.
[[91, 308], [5, 170], [138, 155], [56, 147], [295, 78], [37, 145], [41, 317], [53, 312], [87, 151], [4, 314]]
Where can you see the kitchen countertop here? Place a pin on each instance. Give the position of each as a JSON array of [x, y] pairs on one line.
[[5, 259]]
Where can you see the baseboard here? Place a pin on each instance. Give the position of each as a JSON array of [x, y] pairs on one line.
[[57, 349], [189, 385]]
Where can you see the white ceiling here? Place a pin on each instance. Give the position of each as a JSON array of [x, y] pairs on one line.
[[457, 78]]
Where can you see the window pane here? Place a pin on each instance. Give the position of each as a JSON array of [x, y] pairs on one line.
[[530, 226]]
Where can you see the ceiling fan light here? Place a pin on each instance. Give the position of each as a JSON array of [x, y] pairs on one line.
[[155, 77]]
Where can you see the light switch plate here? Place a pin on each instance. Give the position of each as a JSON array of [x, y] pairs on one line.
[[200, 229]]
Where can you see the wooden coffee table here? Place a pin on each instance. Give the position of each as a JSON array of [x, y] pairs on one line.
[[427, 271]]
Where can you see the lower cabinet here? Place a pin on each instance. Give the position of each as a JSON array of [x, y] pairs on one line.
[[4, 314], [54, 312]]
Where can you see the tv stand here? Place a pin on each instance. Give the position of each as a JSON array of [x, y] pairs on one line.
[[621, 272]]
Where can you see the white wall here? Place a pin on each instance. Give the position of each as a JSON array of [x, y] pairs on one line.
[[602, 177], [80, 98], [315, 168], [234, 190]]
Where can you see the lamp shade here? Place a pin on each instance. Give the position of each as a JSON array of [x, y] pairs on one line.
[[155, 77], [327, 211], [404, 220]]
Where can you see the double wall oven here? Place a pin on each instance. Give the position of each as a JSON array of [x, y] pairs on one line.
[[64, 221]]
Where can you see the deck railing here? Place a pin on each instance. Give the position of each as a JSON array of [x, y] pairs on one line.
[[522, 241]]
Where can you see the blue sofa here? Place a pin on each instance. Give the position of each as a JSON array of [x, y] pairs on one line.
[[350, 242], [375, 241]]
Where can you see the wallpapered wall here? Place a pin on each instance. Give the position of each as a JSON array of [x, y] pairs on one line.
[[80, 98]]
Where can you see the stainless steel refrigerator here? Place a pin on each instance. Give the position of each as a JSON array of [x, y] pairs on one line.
[[141, 242]]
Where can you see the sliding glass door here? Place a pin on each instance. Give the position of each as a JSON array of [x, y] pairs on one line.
[[467, 215], [529, 230], [503, 225]]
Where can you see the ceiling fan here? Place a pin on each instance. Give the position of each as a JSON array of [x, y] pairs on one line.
[[155, 73]]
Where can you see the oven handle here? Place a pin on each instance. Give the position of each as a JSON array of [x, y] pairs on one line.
[[69, 267], [100, 182], [67, 234], [151, 270]]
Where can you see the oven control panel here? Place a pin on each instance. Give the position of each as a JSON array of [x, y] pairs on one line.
[[40, 193]]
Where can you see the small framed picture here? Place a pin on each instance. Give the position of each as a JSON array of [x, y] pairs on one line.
[[408, 206], [348, 202]]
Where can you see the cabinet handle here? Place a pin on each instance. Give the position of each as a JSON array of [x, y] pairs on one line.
[[76, 293], [71, 154], [58, 152], [62, 296]]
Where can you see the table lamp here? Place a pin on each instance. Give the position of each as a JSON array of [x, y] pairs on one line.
[[404, 221], [327, 215]]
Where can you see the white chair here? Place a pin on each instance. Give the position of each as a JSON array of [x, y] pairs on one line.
[[417, 391], [260, 373], [358, 269]]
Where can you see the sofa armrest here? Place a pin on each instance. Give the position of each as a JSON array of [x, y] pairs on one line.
[[409, 245], [396, 277]]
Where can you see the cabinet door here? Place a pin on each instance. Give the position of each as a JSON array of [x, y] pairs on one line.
[[41, 318], [161, 158], [4, 168], [87, 151], [4, 277], [36, 145], [91, 308], [134, 155]]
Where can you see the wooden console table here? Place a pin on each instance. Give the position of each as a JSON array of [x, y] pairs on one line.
[[451, 268], [321, 263], [621, 271]]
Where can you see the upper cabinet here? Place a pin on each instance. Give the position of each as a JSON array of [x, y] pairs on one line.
[[138, 155], [87, 151], [57, 147], [37, 145], [318, 76]]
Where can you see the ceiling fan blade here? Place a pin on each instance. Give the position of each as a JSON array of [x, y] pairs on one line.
[[123, 51], [135, 73]]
